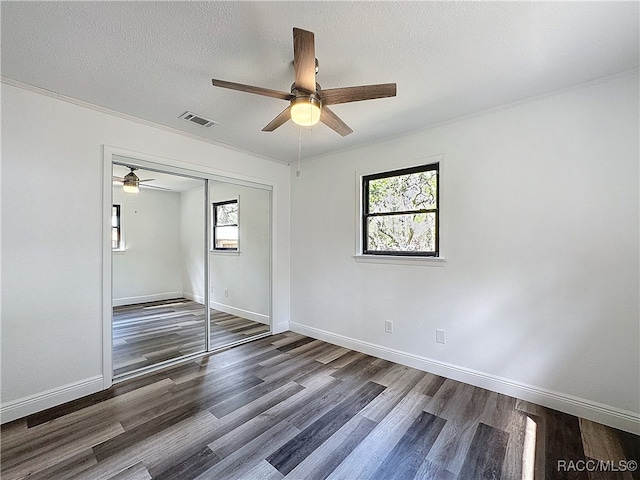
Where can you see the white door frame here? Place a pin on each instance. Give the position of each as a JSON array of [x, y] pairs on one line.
[[170, 166]]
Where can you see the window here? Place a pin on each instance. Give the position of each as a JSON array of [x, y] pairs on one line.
[[116, 228], [400, 212], [225, 225]]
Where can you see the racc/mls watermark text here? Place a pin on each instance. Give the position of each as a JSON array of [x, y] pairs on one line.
[[597, 465]]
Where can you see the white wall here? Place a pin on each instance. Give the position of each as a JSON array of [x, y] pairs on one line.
[[192, 243], [539, 292], [150, 266], [540, 287], [52, 325], [241, 281]]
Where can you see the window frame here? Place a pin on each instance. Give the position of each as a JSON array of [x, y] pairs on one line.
[[214, 225], [118, 228], [365, 214]]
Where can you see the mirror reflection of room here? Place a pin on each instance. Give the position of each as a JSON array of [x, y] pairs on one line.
[[159, 275], [155, 315], [238, 262]]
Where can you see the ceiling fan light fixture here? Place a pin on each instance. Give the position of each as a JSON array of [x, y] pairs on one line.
[[131, 183], [130, 187], [309, 104], [305, 111]]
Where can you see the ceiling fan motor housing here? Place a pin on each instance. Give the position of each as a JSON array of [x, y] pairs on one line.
[[131, 178]]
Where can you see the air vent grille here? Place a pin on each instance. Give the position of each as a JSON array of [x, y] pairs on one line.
[[197, 119]]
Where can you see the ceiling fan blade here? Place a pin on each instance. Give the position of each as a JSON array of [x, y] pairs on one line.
[[332, 121], [333, 96], [146, 180], [279, 120], [119, 179], [251, 89], [304, 60]]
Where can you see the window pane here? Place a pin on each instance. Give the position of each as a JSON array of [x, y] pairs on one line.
[[226, 237], [115, 221], [115, 237], [403, 192], [227, 214], [116, 242], [396, 233]]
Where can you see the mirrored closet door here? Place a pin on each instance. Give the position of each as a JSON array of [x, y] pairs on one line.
[[180, 242], [239, 267]]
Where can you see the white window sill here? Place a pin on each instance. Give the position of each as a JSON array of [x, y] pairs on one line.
[[225, 252], [400, 260]]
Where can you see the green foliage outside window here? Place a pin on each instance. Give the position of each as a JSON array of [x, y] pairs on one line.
[[225, 225], [401, 212]]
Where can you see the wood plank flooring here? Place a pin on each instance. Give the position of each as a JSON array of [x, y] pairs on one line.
[[288, 406], [148, 333]]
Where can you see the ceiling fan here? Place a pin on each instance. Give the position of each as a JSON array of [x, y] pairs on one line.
[[131, 183], [308, 102]]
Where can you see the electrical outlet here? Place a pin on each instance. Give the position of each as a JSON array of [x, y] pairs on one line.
[[440, 336], [226, 292], [388, 326]]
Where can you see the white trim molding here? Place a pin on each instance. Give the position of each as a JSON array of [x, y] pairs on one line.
[[400, 260], [131, 118], [397, 164], [22, 407], [279, 328], [239, 312], [594, 411], [193, 297], [198, 171], [147, 298]]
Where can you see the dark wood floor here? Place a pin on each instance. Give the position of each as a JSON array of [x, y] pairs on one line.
[[288, 406], [148, 333]]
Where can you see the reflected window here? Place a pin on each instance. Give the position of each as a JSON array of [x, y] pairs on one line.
[[116, 228], [225, 225]]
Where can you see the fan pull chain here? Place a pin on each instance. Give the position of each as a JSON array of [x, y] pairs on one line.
[[299, 149]]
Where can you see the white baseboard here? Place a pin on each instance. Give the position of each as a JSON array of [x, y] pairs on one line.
[[145, 298], [239, 312], [280, 327], [580, 407], [22, 407], [194, 298]]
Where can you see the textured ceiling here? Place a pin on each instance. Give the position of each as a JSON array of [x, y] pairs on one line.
[[155, 60]]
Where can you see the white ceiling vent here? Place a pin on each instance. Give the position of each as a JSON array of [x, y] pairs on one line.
[[192, 117]]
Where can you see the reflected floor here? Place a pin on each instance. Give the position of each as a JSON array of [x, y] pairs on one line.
[[148, 333]]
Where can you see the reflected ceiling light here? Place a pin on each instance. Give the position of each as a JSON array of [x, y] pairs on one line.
[[130, 188], [305, 111], [131, 183]]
